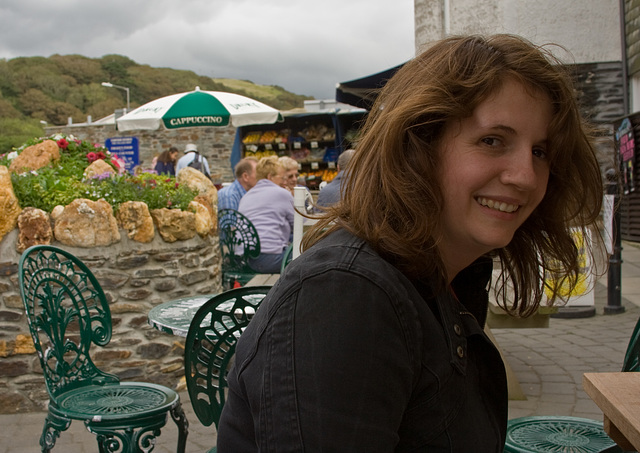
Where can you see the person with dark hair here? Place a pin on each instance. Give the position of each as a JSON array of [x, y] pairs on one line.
[[166, 162], [330, 194], [373, 339], [245, 171]]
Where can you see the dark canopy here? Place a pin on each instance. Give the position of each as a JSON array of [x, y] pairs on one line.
[[362, 92]]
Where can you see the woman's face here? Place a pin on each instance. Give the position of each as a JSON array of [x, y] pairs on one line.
[[291, 178], [174, 156], [494, 173]]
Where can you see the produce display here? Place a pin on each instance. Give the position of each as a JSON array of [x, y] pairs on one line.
[[312, 146]]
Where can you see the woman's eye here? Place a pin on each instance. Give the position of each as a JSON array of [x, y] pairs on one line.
[[540, 152], [491, 141]]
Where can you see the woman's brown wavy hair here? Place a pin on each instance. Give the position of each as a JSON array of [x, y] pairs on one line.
[[391, 196]]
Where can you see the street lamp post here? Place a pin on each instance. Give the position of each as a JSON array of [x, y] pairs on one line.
[[111, 85]]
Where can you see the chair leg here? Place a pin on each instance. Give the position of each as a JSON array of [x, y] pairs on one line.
[[53, 426], [127, 440], [178, 416]]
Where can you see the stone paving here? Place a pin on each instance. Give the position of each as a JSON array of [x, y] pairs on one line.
[[548, 364]]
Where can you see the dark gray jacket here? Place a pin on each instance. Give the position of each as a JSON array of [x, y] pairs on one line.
[[346, 354]]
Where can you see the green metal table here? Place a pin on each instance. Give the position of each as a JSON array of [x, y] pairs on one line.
[[174, 317]]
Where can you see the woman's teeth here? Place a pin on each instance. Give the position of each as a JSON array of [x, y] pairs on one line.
[[497, 205]]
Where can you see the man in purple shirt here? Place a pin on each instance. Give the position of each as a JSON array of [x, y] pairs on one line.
[[269, 206], [245, 171]]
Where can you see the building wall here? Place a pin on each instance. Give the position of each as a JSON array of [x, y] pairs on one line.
[[589, 29], [135, 278]]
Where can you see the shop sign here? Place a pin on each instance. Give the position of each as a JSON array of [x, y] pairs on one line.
[[125, 148]]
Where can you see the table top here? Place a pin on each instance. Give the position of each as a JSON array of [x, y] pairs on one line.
[[175, 317], [618, 396]]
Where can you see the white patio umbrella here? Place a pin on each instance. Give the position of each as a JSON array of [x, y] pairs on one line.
[[198, 108]]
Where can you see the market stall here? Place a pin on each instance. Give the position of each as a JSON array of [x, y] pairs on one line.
[[314, 139]]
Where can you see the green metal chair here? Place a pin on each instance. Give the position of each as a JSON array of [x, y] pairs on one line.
[[287, 258], [239, 242], [67, 311], [568, 434], [211, 345]]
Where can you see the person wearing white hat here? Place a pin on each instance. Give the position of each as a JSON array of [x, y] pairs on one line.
[[192, 158]]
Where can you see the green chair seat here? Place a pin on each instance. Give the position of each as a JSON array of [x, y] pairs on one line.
[[568, 434], [557, 434], [67, 312], [114, 402]]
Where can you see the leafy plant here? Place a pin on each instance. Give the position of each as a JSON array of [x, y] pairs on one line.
[[63, 181]]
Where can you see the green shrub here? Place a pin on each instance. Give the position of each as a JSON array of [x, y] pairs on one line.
[[63, 181]]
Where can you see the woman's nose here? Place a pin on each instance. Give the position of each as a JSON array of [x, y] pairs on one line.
[[522, 171]]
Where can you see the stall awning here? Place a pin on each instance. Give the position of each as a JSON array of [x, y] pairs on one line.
[[363, 92]]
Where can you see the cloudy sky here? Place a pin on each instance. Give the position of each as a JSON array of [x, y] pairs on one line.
[[305, 46]]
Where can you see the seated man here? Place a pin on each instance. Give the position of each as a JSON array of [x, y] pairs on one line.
[[330, 194], [269, 206], [245, 171]]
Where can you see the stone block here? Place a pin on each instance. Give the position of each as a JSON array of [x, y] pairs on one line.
[[150, 273], [35, 156], [139, 282], [12, 368], [13, 300], [153, 350], [168, 256], [8, 268], [87, 223], [111, 279], [110, 355], [166, 284], [194, 277], [34, 227], [10, 316], [131, 262], [136, 294]]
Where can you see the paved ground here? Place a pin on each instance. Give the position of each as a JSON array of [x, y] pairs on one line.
[[548, 363]]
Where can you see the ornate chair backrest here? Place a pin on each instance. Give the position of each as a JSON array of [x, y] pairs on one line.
[[211, 345], [67, 311], [239, 240], [632, 356]]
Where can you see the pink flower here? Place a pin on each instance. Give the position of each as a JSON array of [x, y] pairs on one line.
[[62, 143], [97, 145], [92, 157]]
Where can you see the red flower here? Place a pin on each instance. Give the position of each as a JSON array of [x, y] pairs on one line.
[[92, 157], [62, 143], [100, 155]]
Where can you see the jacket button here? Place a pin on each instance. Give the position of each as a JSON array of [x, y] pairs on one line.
[[457, 329], [460, 351]]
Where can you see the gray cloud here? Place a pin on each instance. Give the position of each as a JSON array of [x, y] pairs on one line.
[[304, 46]]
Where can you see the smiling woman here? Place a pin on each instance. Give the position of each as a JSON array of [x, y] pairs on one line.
[[373, 340]]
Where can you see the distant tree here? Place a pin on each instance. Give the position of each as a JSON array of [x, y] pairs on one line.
[[83, 70], [15, 132]]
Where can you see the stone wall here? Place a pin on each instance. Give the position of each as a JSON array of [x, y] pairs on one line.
[[135, 278], [214, 143]]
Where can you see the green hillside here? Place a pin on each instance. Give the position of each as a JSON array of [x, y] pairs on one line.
[[37, 89]]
